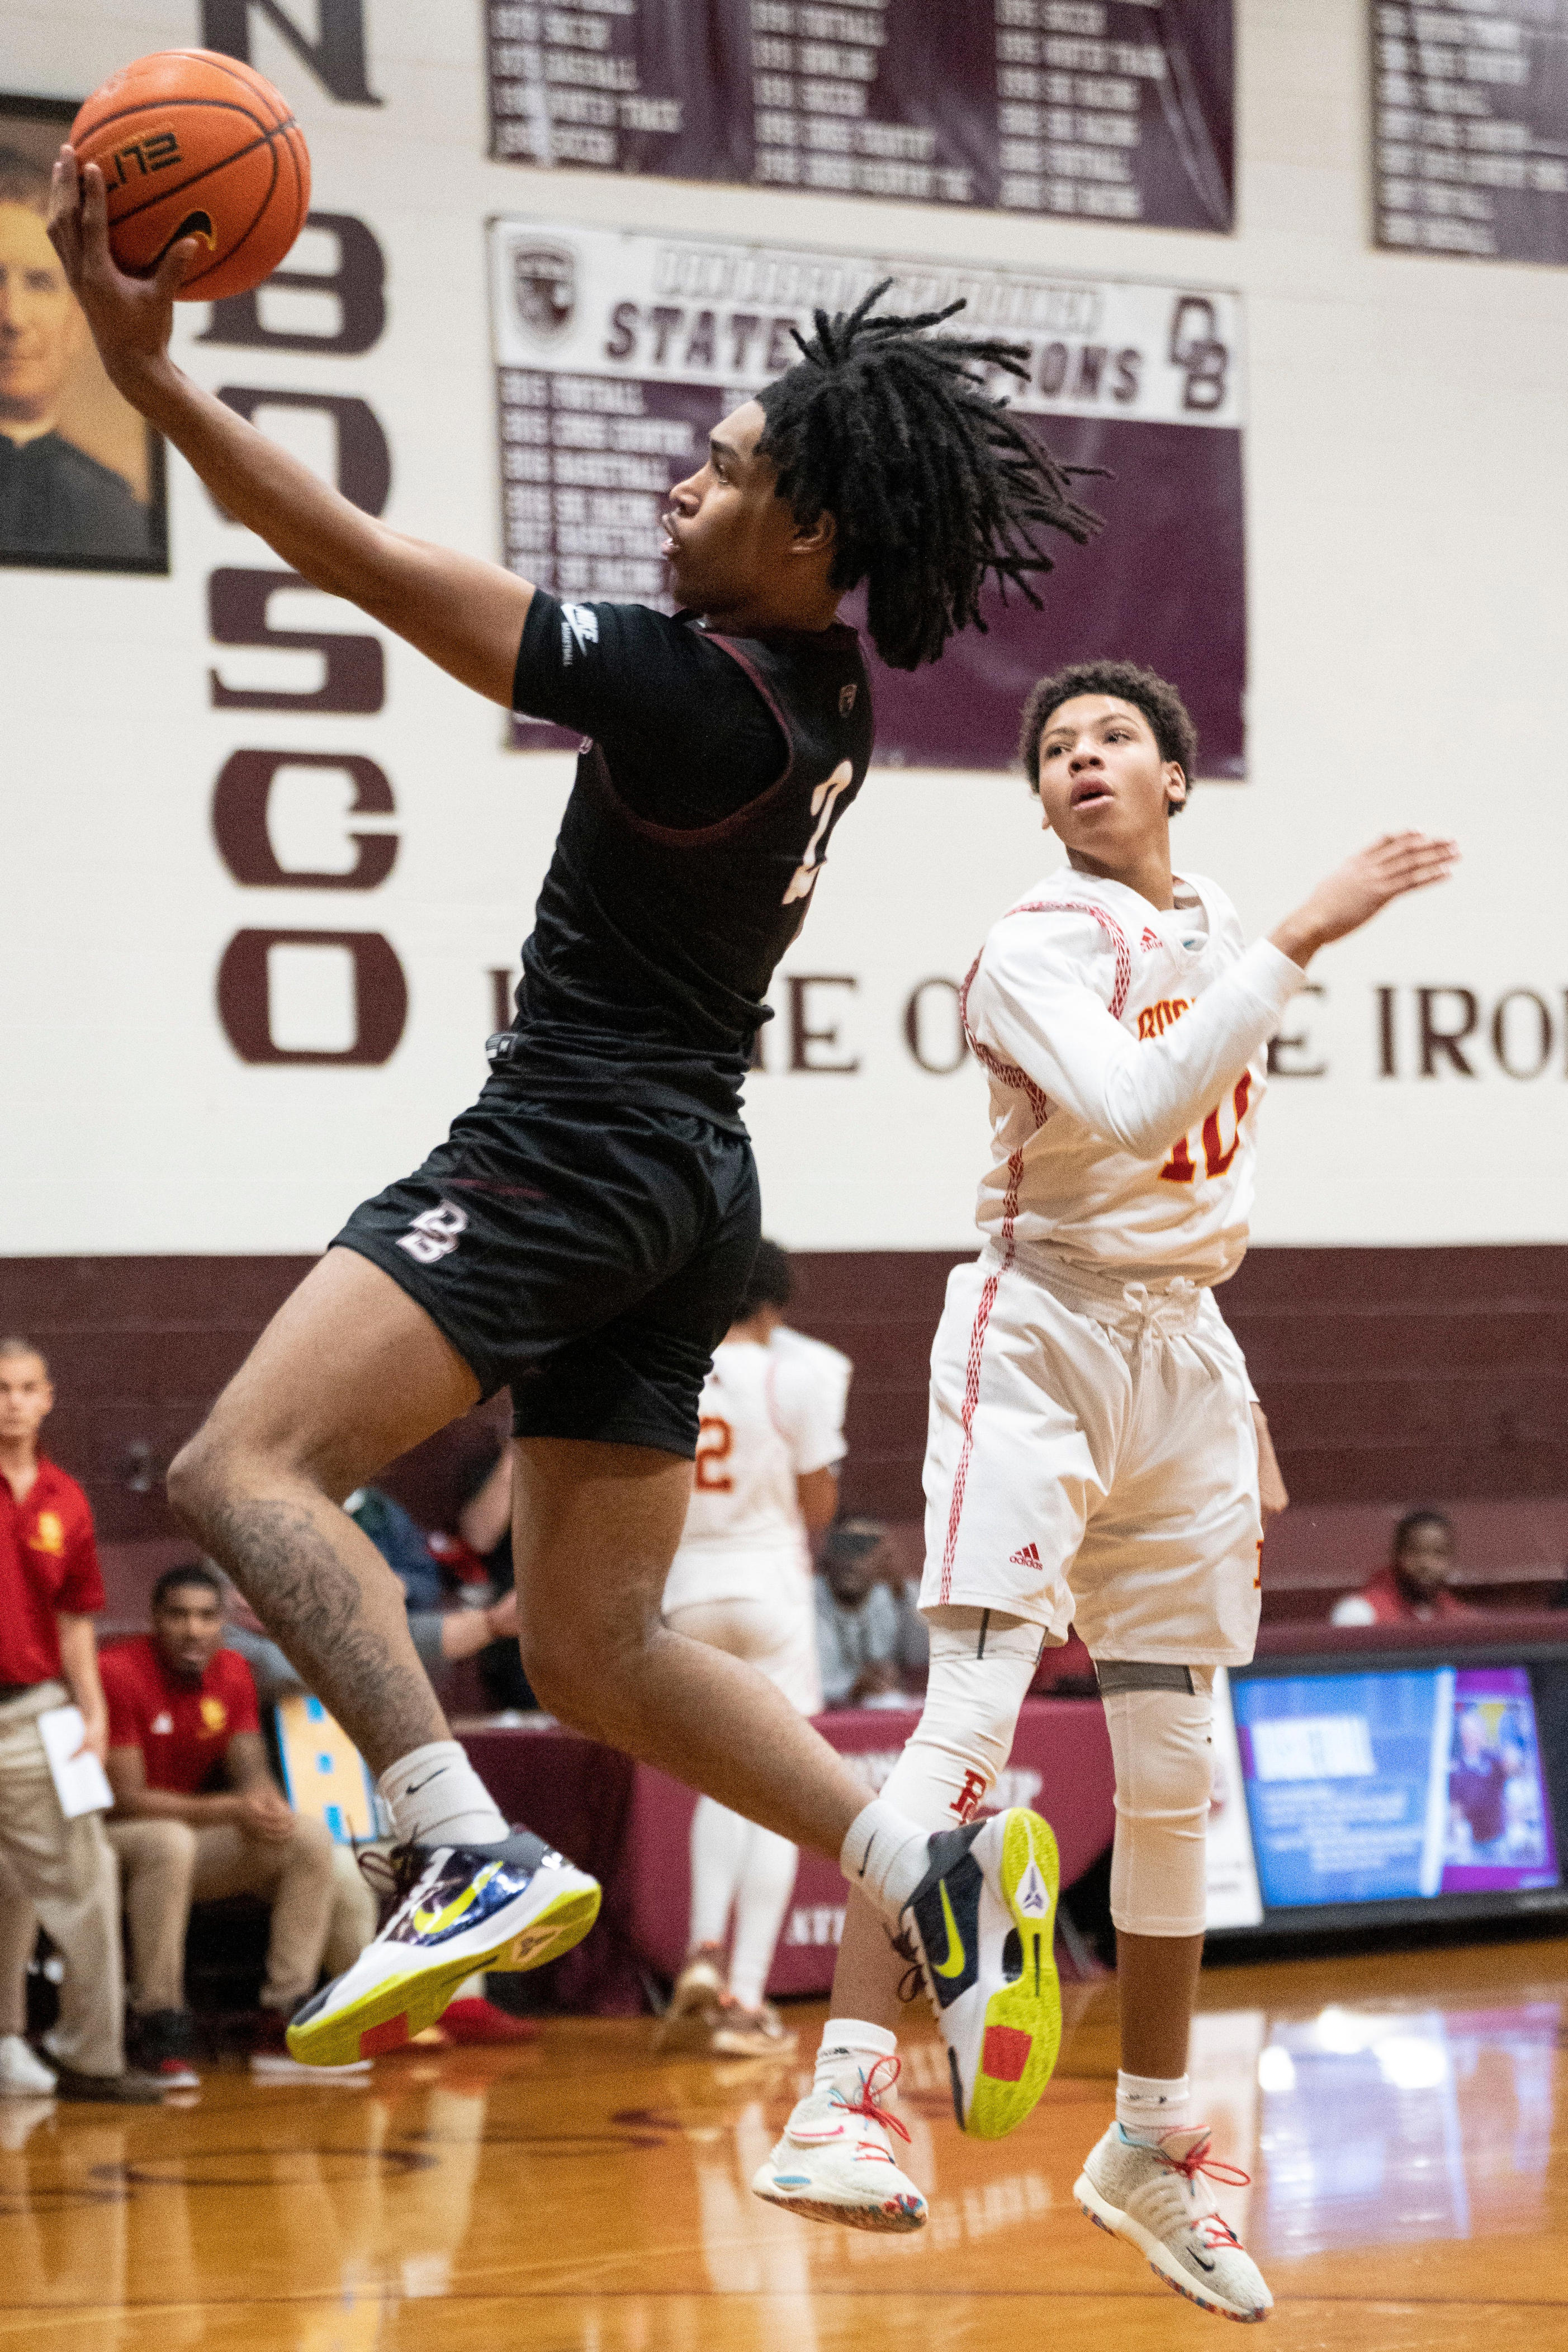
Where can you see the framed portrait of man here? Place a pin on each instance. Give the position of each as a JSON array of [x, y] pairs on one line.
[[81, 474]]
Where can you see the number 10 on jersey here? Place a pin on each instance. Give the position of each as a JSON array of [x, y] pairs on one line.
[[1181, 1168]]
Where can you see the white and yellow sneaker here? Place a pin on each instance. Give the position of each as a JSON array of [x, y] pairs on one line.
[[835, 2161], [513, 1904], [1151, 2193], [982, 1923]]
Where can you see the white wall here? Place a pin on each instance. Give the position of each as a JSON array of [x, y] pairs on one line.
[[1408, 491]]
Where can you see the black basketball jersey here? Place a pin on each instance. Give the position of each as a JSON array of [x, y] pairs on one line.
[[653, 943]]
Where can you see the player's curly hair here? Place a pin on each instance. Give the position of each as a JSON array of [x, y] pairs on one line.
[[1158, 700], [934, 486], [769, 1283]]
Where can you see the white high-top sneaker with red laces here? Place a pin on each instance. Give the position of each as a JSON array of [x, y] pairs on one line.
[[835, 2161], [1151, 2193]]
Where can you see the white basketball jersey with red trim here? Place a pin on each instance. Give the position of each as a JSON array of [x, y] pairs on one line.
[[1121, 1120], [769, 1416]]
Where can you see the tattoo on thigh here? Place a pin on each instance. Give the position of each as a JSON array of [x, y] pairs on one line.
[[312, 1603]]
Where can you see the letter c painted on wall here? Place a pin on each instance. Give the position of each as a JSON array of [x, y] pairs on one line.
[[240, 800]]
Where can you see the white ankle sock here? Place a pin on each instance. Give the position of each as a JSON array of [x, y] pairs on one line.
[[1145, 2107], [884, 1855], [436, 1798], [850, 2049]]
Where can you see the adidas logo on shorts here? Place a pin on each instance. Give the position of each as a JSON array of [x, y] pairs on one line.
[[1028, 1558]]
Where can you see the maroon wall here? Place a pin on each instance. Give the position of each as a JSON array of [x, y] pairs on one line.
[[1390, 1376]]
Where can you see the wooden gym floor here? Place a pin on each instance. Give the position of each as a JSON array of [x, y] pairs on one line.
[[1401, 2118]]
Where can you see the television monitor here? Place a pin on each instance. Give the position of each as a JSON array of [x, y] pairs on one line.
[[1389, 1786]]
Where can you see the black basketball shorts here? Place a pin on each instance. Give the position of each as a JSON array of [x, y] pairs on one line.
[[592, 1256]]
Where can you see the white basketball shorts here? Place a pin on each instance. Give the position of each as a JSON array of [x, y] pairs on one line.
[[776, 1632], [1093, 1462]]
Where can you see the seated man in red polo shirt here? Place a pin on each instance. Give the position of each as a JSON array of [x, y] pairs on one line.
[[1416, 1585], [198, 1815]]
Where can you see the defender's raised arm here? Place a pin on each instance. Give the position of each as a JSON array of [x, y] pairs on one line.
[[1030, 998]]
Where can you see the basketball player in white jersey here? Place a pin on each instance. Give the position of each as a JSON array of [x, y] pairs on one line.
[[766, 1477], [1095, 1454]]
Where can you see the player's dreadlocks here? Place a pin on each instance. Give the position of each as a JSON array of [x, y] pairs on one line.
[[934, 486]]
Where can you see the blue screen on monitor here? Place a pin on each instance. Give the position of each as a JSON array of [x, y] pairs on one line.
[[1373, 1788]]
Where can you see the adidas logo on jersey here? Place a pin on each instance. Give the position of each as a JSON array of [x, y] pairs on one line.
[[1028, 1558], [1150, 940]]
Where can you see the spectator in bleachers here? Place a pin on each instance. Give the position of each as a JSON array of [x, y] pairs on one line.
[[485, 1524], [400, 1541], [50, 1590], [198, 1816], [443, 1637], [868, 1635], [1416, 1588]]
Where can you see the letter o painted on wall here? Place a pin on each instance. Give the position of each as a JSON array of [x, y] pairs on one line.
[[1543, 1032], [380, 997], [914, 1029]]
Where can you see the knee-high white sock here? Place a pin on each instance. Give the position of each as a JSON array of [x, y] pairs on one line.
[[718, 1845], [766, 1883], [436, 1798], [884, 1855]]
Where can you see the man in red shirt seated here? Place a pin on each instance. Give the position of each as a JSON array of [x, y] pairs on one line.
[[1416, 1586], [198, 1816]]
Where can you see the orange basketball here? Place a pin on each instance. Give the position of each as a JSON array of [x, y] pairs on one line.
[[193, 143]]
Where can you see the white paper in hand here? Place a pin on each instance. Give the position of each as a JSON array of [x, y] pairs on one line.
[[80, 1782]]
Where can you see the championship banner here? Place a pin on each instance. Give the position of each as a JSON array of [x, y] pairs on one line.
[[618, 351], [1470, 138], [1102, 109]]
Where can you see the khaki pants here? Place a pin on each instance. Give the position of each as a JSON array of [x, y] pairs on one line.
[[321, 1908], [65, 1873]]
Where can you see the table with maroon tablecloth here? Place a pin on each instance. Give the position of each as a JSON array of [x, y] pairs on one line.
[[631, 1827]]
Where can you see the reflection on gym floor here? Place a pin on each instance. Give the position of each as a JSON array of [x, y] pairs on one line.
[[1395, 2115]]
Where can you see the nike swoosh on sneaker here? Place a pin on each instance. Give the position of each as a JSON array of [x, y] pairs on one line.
[[952, 1965], [431, 1923]]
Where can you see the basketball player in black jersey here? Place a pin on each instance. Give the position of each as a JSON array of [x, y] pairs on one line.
[[586, 1231]]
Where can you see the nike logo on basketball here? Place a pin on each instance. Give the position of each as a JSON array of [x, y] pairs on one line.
[[952, 1965], [1028, 1558]]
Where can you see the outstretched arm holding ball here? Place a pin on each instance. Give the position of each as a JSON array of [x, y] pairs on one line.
[[467, 615]]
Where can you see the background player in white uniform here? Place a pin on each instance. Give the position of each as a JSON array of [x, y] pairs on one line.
[[766, 1477], [1095, 1452]]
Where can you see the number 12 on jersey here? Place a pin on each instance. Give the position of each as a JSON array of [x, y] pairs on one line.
[[1181, 1168]]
